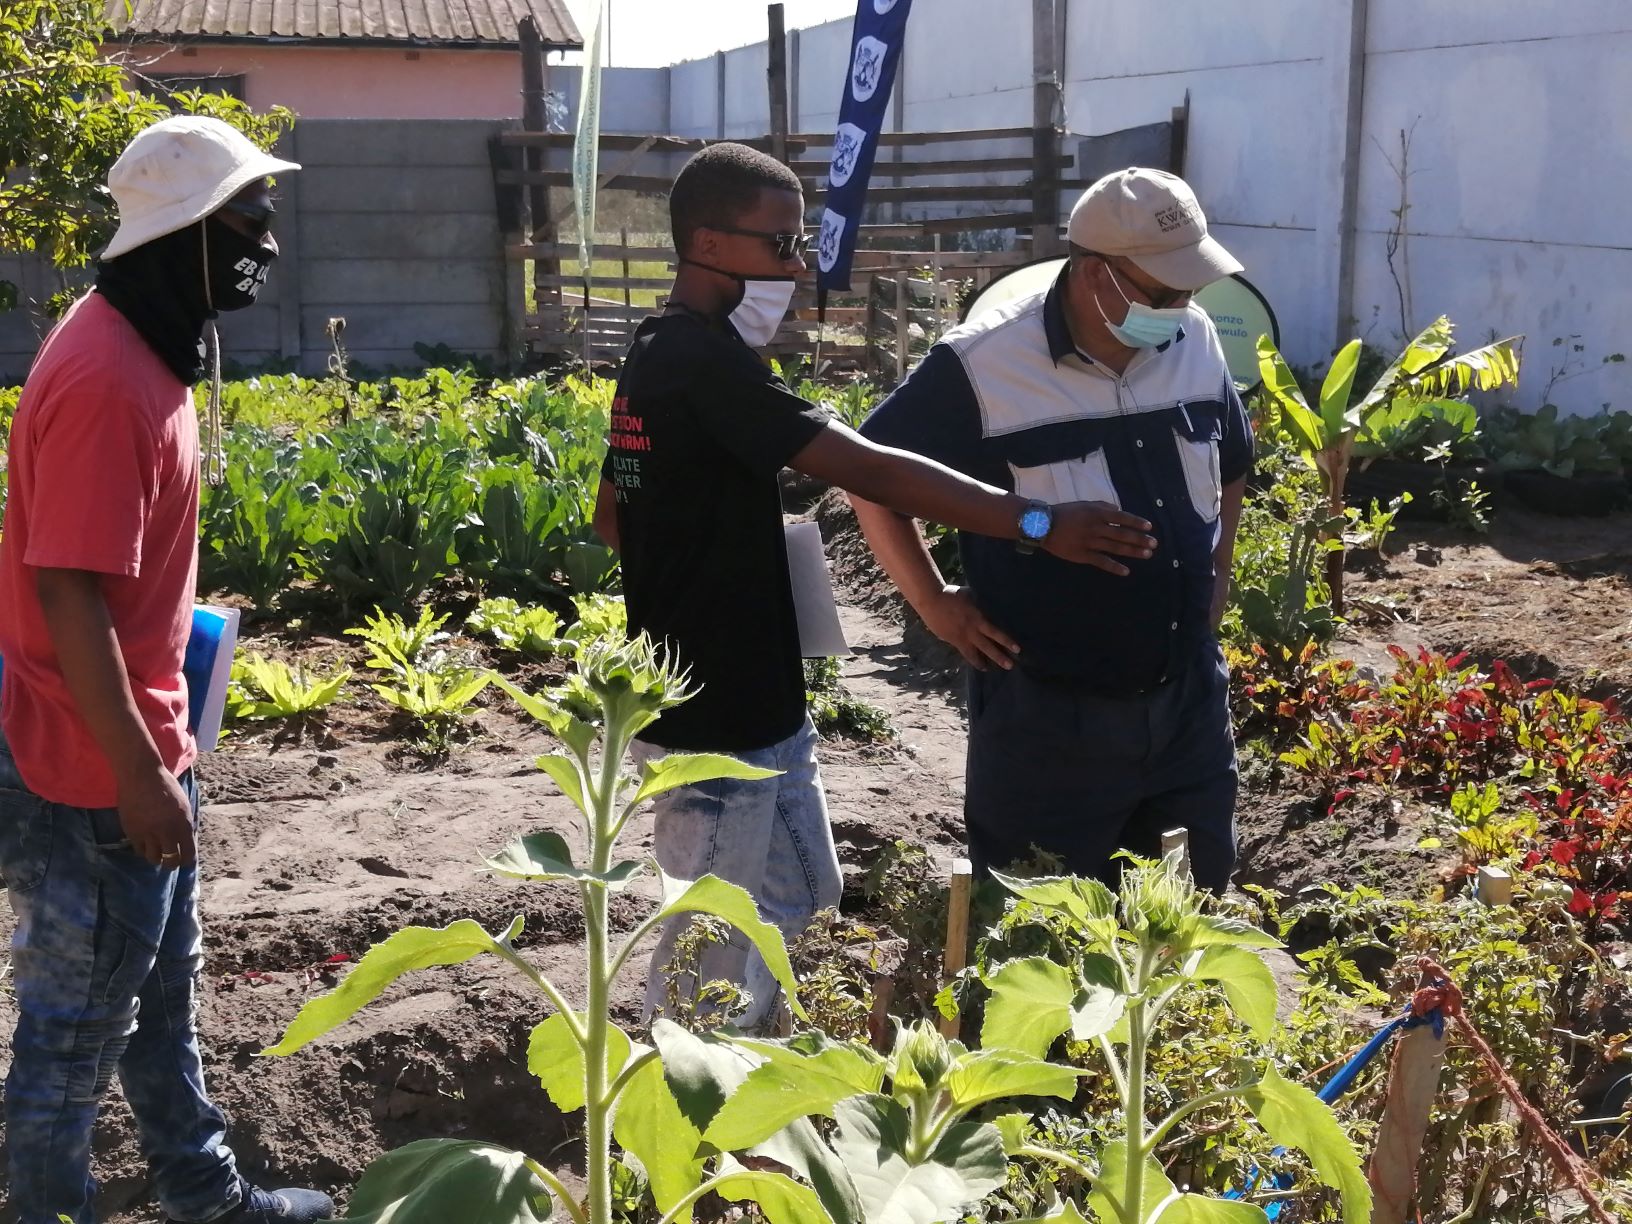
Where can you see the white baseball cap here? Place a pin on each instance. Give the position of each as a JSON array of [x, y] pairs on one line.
[[1151, 218], [178, 171]]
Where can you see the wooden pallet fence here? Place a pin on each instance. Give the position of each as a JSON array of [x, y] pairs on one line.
[[917, 258]]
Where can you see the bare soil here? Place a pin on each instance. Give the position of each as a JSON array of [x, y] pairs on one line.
[[315, 849]]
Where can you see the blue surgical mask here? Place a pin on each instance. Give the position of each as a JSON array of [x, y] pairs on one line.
[[1144, 326]]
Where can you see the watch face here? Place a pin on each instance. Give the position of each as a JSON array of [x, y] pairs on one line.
[[1035, 523]]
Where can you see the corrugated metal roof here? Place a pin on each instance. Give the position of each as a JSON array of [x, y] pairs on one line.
[[420, 21]]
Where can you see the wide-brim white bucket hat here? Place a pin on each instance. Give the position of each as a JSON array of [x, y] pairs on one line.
[[178, 171]]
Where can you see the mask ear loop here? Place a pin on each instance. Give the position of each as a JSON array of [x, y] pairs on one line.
[[215, 460]]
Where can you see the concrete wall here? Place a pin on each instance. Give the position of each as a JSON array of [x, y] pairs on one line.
[[633, 100], [1520, 159], [694, 99], [22, 330], [398, 232], [359, 82], [391, 224], [1520, 163], [1254, 168], [824, 61], [1521, 148]]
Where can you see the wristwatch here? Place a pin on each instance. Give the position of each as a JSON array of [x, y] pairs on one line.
[[1036, 521]]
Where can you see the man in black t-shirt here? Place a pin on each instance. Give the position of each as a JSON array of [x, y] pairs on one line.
[[701, 428]]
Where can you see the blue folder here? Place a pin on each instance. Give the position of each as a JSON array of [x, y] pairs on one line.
[[204, 663]]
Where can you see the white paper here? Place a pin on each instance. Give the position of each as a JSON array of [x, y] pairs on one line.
[[820, 633], [215, 697]]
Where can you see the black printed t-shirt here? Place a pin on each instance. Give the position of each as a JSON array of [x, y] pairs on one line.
[[701, 428]]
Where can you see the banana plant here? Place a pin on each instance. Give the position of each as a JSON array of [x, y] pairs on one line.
[[581, 1057], [1422, 381], [1129, 956]]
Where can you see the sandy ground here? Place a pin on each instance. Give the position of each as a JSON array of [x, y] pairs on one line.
[[316, 850]]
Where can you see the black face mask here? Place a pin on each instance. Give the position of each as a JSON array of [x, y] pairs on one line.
[[164, 290], [238, 265]]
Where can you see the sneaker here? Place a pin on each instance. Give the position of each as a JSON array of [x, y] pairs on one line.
[[279, 1207]]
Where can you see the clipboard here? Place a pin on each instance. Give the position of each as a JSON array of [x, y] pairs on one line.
[[820, 634]]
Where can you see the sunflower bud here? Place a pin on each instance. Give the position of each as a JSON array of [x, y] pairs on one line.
[[921, 1058], [1159, 903]]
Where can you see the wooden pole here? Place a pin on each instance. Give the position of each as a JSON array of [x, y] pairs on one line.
[[512, 231], [1413, 1082], [1045, 140], [628, 295], [534, 95], [795, 54], [903, 323], [879, 1025], [957, 931], [719, 94], [588, 355], [871, 336], [777, 78], [938, 290]]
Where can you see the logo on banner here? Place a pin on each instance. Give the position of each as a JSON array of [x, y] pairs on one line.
[[867, 67], [883, 6], [847, 146], [827, 246]]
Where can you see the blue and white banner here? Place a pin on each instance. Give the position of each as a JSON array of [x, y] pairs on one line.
[[875, 53]]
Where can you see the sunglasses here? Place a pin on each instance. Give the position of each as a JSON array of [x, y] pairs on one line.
[[1157, 299], [258, 215], [787, 246]]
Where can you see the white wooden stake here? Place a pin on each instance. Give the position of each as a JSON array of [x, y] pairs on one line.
[[1178, 839], [1495, 887]]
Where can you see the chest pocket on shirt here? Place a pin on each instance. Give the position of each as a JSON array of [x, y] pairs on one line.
[[1071, 480], [1196, 432]]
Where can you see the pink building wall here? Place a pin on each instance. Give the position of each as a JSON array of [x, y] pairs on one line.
[[359, 82]]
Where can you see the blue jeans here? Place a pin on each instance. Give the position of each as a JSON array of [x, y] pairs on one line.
[[104, 957], [771, 837]]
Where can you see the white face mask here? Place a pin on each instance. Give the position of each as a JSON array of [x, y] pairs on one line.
[[763, 307], [1143, 326]]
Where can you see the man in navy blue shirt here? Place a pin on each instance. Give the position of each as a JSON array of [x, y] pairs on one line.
[[1098, 703]]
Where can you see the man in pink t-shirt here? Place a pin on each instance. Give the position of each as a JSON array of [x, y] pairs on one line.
[[98, 806]]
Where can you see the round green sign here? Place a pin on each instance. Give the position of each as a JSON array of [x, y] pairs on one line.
[[1241, 315]]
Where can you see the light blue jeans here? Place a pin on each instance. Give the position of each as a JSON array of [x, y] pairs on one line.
[[772, 837], [104, 957]]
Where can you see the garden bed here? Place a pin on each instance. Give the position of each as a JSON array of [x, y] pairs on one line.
[[315, 848]]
